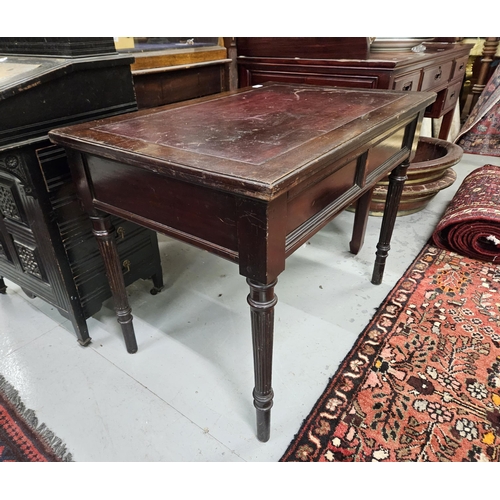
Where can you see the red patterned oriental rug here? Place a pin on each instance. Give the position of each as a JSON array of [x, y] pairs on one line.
[[471, 222], [22, 438], [422, 382], [480, 133]]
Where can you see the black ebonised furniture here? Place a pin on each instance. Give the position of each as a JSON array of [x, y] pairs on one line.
[[46, 241]]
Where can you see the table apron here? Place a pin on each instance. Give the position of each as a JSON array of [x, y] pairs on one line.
[[298, 236], [205, 218], [209, 218]]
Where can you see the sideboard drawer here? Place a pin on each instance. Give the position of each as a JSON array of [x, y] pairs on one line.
[[408, 82], [459, 67], [445, 101], [452, 95], [283, 74], [436, 75]]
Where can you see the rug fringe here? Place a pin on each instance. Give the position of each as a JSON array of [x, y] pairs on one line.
[[29, 416]]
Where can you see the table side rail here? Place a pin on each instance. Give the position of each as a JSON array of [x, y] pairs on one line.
[[305, 231], [318, 200], [203, 217]]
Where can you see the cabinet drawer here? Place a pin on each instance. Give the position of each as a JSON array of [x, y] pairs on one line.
[[446, 99], [407, 82], [459, 68], [256, 77], [452, 95], [436, 76]]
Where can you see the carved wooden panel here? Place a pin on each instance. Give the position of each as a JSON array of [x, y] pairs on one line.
[[8, 207], [28, 257]]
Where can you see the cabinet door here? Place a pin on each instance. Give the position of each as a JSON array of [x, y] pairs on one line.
[[8, 209], [18, 245]]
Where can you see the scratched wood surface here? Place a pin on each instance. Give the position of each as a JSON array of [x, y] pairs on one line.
[[264, 138]]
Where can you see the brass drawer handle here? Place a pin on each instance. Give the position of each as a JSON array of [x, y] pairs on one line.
[[407, 86], [438, 74], [121, 233], [126, 265]]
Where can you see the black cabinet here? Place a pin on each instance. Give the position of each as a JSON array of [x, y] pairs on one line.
[[46, 242]]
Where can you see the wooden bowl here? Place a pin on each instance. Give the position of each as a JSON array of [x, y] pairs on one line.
[[415, 197], [429, 172]]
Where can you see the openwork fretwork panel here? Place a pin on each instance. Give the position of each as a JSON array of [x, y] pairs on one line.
[[8, 206], [28, 260]]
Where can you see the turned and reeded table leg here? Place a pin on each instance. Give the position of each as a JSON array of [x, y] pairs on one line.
[[397, 179], [262, 301], [104, 233]]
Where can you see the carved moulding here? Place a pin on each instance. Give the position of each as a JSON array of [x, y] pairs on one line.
[[15, 165]]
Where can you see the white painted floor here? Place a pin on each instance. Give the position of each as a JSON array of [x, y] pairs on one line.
[[186, 396]]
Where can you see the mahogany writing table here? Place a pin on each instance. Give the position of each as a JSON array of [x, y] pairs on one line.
[[249, 175]]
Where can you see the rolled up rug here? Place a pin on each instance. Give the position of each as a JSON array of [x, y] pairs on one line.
[[470, 225]]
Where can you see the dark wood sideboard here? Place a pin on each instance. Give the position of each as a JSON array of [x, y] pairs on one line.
[[348, 62], [46, 242]]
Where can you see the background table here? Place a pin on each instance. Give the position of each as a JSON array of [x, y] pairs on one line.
[[249, 175]]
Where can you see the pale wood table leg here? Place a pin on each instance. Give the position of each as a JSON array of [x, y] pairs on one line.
[[487, 57]]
